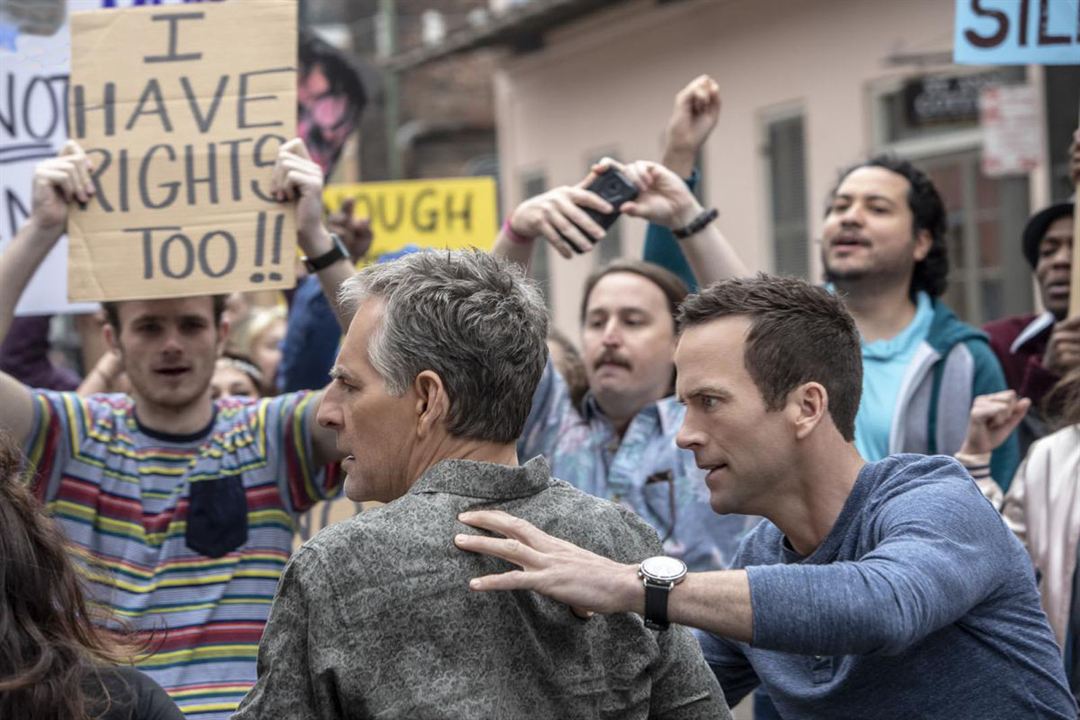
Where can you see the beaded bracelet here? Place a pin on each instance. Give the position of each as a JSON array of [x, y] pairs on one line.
[[514, 237], [697, 224]]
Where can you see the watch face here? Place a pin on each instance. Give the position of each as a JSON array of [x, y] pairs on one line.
[[663, 568]]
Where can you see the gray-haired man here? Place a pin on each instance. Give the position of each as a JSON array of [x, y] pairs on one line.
[[373, 617]]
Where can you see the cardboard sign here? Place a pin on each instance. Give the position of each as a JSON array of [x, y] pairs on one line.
[[182, 111], [1017, 32], [34, 61], [448, 213], [1012, 130]]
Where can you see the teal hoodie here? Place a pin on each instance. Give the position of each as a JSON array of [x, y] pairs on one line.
[[950, 368]]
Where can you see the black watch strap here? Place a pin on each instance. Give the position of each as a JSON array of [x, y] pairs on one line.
[[656, 597], [328, 258], [696, 225]]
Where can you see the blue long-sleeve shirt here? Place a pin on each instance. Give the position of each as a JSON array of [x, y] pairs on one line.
[[919, 603]]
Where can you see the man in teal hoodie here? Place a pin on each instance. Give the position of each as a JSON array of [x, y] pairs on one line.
[[883, 249]]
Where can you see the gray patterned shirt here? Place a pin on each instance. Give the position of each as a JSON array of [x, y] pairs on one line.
[[374, 618]]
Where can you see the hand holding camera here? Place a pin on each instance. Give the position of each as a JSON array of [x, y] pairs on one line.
[[569, 217], [574, 218]]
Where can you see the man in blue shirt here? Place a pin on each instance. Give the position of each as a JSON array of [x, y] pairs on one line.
[[888, 589], [620, 442]]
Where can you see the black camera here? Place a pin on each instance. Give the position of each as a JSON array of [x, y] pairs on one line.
[[614, 187]]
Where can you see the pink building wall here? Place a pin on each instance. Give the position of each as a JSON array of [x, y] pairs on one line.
[[607, 83]]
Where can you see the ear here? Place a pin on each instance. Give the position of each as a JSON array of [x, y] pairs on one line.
[[223, 335], [432, 402], [109, 333], [923, 242], [808, 406]]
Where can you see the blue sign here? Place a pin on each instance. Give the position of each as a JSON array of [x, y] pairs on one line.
[[1017, 32]]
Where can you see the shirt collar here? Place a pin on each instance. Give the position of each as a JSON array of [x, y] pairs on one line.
[[590, 409], [1033, 330], [491, 481]]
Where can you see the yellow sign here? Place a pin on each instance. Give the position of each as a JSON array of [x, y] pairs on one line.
[[182, 109], [445, 213]]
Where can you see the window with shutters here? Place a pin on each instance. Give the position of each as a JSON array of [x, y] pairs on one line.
[[786, 161]]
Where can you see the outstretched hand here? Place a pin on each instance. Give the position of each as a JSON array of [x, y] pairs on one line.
[[993, 417], [560, 570], [557, 215]]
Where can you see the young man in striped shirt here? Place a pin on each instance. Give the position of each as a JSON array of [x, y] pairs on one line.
[[180, 509]]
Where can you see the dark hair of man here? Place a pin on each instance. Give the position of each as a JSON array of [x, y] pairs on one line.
[[799, 333], [49, 649], [112, 311], [670, 284], [341, 71], [931, 274]]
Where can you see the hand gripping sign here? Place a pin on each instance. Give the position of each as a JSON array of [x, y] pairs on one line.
[[181, 110]]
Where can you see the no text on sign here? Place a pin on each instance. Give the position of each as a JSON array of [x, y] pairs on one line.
[[1017, 32], [182, 111]]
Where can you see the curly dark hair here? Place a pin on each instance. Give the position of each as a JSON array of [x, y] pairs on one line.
[[50, 651], [931, 274]]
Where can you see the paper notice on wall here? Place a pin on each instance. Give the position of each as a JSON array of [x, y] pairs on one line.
[[1011, 128], [182, 110]]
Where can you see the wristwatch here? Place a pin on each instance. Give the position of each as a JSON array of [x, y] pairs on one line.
[[328, 258], [659, 574]]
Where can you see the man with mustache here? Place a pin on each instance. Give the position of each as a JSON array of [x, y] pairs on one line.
[[619, 443], [1037, 350]]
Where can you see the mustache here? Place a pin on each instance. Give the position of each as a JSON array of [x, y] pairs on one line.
[[612, 358]]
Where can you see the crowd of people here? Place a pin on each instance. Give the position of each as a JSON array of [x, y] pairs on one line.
[[840, 498]]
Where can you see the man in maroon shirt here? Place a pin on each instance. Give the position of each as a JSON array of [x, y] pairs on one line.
[[1036, 351]]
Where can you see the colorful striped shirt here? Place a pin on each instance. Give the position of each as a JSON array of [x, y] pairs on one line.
[[123, 496]]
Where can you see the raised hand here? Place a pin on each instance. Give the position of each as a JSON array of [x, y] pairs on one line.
[[991, 420], [696, 110], [663, 197], [58, 182], [1063, 348], [354, 232], [296, 177]]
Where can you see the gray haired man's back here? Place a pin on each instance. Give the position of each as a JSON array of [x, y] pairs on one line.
[[374, 618]]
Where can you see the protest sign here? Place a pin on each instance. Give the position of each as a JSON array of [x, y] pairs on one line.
[[1017, 32], [444, 213], [182, 111], [34, 61]]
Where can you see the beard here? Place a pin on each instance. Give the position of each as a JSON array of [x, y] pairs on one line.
[[880, 274]]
